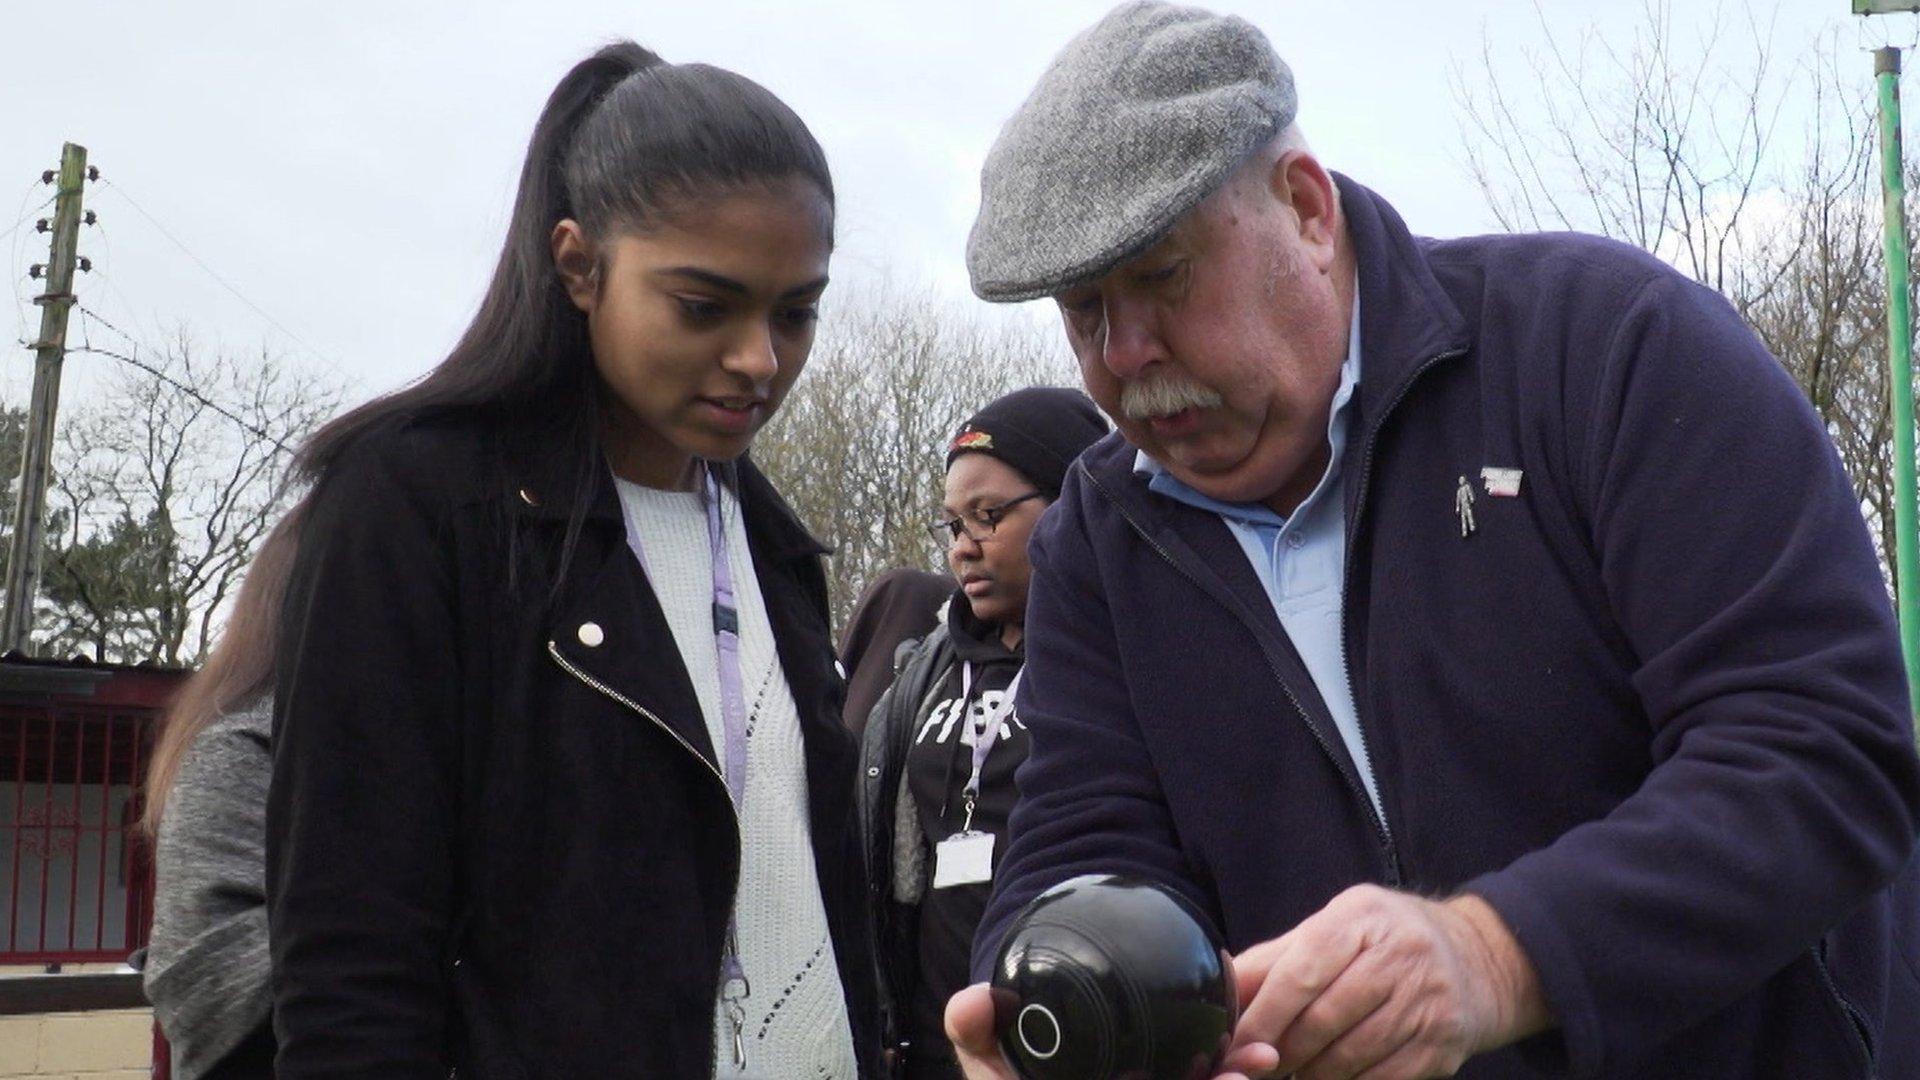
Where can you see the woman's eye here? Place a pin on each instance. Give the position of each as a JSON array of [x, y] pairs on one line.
[[800, 317], [699, 309]]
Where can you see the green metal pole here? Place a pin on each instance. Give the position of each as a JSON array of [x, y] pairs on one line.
[[1886, 70]]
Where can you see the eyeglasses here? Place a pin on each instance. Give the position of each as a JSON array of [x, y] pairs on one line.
[[983, 521]]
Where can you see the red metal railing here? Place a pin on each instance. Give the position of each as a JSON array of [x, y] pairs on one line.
[[79, 874]]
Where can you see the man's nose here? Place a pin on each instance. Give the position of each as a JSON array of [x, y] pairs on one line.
[[1132, 338]]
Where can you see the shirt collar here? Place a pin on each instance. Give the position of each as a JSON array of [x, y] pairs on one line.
[[1162, 482]]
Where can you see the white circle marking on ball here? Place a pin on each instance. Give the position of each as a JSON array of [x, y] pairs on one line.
[[1020, 1025]]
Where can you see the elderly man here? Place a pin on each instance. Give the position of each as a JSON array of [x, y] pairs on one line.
[[1482, 633]]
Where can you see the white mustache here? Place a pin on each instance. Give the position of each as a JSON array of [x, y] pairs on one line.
[[1163, 396]]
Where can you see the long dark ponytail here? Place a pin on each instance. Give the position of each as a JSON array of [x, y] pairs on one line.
[[623, 139]]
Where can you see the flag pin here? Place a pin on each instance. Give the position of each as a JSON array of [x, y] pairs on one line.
[[1502, 482]]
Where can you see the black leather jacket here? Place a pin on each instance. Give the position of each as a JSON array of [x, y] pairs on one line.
[[497, 840], [883, 759]]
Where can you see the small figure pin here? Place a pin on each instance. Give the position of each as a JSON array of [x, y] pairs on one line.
[[1463, 505], [1504, 483]]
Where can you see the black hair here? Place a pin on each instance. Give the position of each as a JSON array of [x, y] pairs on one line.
[[623, 136], [624, 139]]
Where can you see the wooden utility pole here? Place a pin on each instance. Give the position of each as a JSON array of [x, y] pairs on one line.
[[26, 546]]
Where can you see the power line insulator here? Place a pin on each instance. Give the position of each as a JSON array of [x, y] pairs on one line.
[[86, 265], [93, 172], [34, 271], [90, 218], [41, 225], [47, 177]]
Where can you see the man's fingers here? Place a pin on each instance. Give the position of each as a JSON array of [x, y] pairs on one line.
[[1251, 1060], [970, 1029], [1250, 967], [1354, 1005], [1363, 1044], [1300, 966], [970, 1018]]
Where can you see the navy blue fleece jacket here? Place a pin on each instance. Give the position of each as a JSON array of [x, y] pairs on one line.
[[1652, 709]]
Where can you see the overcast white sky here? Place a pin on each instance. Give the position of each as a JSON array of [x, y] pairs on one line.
[[347, 167]]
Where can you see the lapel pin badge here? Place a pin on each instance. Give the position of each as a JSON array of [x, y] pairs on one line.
[[1504, 483], [1463, 506]]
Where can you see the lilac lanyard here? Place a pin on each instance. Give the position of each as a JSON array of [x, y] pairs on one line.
[[983, 742], [734, 987]]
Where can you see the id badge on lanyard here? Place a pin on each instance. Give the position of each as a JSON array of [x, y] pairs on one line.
[[966, 857]]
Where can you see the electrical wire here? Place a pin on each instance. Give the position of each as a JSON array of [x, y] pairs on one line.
[[104, 272], [15, 275], [215, 275], [87, 346], [31, 214]]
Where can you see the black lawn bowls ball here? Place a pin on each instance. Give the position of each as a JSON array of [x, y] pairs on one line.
[[1109, 978]]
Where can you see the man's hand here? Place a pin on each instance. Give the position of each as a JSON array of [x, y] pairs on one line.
[[970, 1029], [1381, 984]]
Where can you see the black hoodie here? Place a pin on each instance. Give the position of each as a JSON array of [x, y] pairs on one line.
[[938, 764]]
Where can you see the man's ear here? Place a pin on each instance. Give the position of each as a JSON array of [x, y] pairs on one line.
[[1299, 181], [577, 263]]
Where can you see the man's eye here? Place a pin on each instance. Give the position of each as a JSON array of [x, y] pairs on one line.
[[1164, 273]]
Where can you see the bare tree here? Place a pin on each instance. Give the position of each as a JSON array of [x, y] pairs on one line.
[[1683, 155], [1654, 141], [1814, 292], [165, 487], [859, 446]]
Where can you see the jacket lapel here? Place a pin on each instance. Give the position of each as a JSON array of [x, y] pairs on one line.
[[1204, 549], [1407, 323], [609, 625], [607, 599]]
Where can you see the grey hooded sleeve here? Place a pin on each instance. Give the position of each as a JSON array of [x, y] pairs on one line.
[[207, 963]]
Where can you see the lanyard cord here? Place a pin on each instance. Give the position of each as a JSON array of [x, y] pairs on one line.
[[983, 740], [734, 987]]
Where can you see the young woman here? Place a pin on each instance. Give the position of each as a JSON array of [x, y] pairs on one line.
[[940, 749], [559, 778]]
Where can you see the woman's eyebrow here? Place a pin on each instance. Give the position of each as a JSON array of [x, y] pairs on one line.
[[707, 277], [729, 285], [814, 286]]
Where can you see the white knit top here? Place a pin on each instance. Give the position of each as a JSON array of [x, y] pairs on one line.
[[796, 1023]]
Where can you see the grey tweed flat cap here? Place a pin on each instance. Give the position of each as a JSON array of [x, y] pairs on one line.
[[1137, 120]]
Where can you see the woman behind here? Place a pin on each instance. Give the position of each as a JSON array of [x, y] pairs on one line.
[[939, 752], [894, 612], [207, 966], [559, 777]]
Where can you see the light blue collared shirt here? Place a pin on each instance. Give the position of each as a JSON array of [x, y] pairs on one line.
[[1301, 561]]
